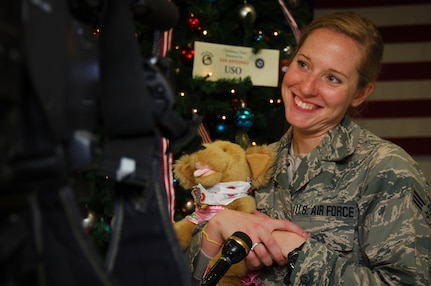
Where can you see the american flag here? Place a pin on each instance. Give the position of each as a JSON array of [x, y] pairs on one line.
[[162, 43], [400, 107]]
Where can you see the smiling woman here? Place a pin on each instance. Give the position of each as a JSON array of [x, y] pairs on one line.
[[321, 85], [362, 201]]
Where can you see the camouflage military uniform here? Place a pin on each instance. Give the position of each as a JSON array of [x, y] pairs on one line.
[[365, 204]]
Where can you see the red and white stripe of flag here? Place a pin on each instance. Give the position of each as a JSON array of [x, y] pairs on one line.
[[167, 158]]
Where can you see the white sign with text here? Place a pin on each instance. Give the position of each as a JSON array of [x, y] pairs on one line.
[[228, 62]]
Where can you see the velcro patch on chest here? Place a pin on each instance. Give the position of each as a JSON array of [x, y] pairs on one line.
[[329, 210]]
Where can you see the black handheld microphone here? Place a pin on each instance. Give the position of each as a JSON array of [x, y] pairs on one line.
[[235, 249]]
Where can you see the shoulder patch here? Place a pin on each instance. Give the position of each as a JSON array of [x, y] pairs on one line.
[[424, 206]]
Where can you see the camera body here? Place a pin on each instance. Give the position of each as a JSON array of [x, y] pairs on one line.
[[71, 100]]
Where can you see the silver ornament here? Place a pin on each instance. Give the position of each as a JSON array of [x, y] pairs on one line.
[[247, 10]]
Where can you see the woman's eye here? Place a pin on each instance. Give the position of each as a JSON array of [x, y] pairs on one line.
[[302, 64], [333, 79]]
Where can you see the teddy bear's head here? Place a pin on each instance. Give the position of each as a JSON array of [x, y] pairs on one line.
[[224, 161]]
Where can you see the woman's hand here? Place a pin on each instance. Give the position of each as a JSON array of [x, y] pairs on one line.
[[287, 241], [259, 227]]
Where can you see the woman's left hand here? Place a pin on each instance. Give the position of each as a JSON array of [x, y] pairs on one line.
[[286, 240]]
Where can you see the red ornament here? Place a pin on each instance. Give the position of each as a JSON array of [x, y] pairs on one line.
[[187, 54], [236, 103], [194, 24]]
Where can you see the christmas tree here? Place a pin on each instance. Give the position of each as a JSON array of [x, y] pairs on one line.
[[235, 109]]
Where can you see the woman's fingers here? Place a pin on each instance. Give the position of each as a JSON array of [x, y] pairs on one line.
[[271, 250], [277, 224], [253, 262], [267, 251]]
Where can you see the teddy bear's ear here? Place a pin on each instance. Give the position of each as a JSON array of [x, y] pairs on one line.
[[261, 160], [183, 170]]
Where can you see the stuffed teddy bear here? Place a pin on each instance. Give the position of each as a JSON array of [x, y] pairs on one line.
[[222, 175]]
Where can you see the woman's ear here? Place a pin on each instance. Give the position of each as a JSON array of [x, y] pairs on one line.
[[362, 95]]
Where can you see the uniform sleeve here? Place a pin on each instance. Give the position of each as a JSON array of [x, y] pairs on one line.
[[393, 229], [192, 251]]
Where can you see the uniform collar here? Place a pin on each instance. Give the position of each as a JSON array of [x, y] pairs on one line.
[[338, 143]]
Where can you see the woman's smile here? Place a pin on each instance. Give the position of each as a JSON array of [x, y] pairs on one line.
[[305, 106]]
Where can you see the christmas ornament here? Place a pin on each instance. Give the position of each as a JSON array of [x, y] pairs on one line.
[[247, 12], [103, 227], [221, 127], [101, 233], [259, 37], [89, 222], [237, 103], [187, 54], [287, 50], [244, 118], [194, 24], [188, 207]]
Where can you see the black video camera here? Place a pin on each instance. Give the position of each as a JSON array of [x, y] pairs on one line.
[[70, 100]]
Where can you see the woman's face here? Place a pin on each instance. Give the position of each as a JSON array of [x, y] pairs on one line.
[[321, 82]]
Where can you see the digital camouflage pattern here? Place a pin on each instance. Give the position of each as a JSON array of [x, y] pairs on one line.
[[366, 205]]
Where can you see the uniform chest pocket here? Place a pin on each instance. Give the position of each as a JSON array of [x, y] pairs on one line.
[[331, 224]]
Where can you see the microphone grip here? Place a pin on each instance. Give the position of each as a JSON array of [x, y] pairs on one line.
[[234, 250], [217, 272]]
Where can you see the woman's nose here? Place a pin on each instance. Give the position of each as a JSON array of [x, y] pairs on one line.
[[309, 85]]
